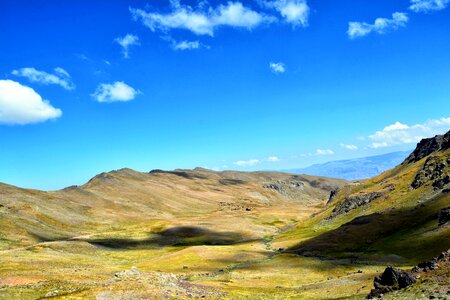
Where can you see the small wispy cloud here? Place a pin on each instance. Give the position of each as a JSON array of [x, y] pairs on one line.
[[60, 77], [324, 152], [246, 163], [425, 6], [186, 45], [126, 42], [401, 134], [277, 67], [252, 162], [380, 25], [82, 56], [118, 91], [273, 159], [183, 45], [349, 146]]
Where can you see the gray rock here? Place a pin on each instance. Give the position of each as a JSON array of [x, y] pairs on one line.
[[434, 170], [392, 279], [427, 146], [353, 202]]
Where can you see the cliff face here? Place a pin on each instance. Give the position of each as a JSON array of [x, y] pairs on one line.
[[427, 146]]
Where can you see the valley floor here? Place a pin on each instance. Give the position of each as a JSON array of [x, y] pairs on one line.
[[111, 268]]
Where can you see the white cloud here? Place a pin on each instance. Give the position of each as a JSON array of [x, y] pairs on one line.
[[82, 56], [424, 6], [202, 20], [324, 152], [349, 146], [183, 45], [246, 163], [61, 77], [252, 162], [380, 26], [400, 134], [273, 159], [117, 91], [277, 68], [186, 45], [126, 42], [62, 72], [21, 105], [295, 12]]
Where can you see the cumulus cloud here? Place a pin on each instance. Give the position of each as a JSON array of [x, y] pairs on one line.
[[126, 42], [21, 105], [246, 163], [380, 26], [277, 68], [400, 134], [61, 77], [349, 146], [201, 20], [118, 91], [295, 12], [425, 6], [324, 152]]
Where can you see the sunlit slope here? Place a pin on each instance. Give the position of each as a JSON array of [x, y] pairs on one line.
[[111, 201], [392, 217]]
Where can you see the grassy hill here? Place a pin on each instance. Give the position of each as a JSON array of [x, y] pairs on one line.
[[232, 235]]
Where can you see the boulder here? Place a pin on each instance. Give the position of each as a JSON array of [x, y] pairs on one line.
[[392, 279]]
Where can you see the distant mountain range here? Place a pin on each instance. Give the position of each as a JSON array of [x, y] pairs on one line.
[[357, 168]]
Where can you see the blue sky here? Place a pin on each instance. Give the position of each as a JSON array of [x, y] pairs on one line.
[[90, 86]]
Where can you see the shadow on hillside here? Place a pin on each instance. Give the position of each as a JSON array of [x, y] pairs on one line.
[[175, 236], [184, 174], [230, 181], [400, 235]]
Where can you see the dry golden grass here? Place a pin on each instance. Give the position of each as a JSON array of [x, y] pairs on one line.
[[204, 234]]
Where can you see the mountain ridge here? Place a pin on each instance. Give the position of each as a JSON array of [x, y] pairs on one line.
[[356, 168]]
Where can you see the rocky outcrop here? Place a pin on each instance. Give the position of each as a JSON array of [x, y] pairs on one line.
[[286, 188], [392, 279], [435, 170], [353, 202], [432, 264], [444, 216], [427, 146]]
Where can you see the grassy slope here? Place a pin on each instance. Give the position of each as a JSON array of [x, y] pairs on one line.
[[400, 226], [206, 227], [120, 219]]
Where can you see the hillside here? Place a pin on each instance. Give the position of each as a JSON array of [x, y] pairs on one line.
[[234, 235], [357, 168], [399, 217], [127, 196]]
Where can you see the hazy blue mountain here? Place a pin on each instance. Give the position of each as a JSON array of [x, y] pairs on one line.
[[357, 168]]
